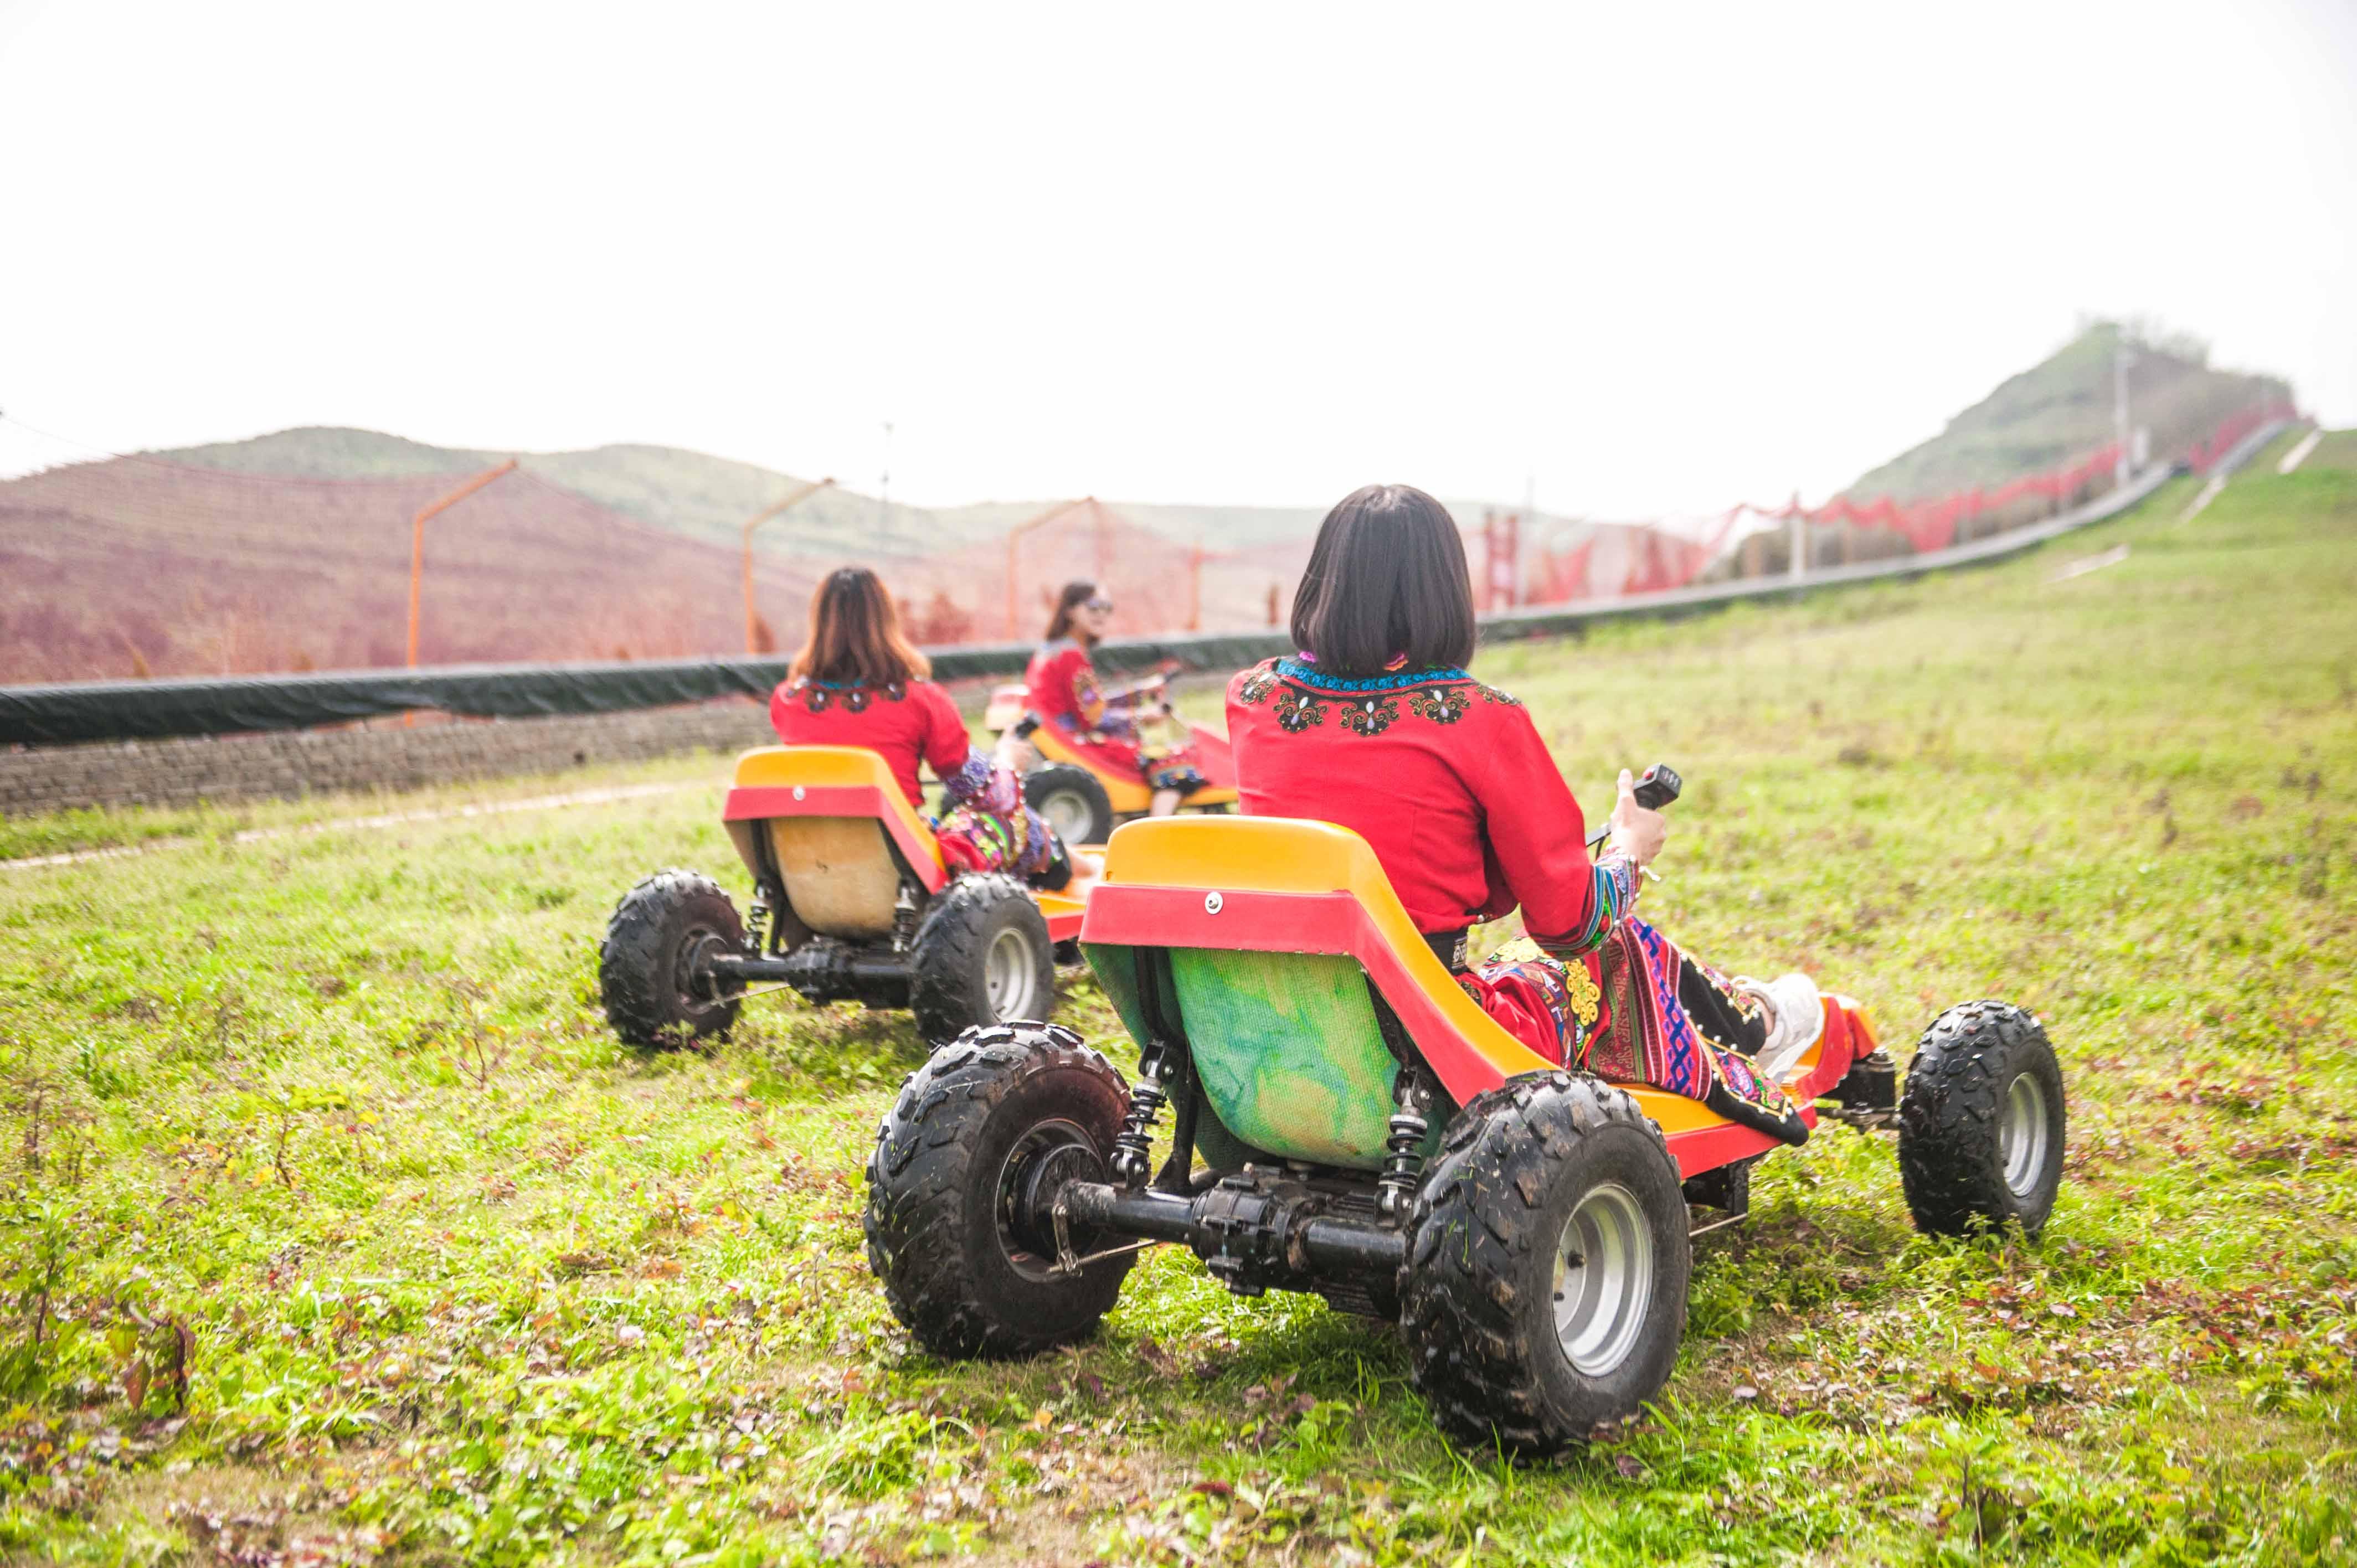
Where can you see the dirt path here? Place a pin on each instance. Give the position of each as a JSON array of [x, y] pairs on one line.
[[362, 824]]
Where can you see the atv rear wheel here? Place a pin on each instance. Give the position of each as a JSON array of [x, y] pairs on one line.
[[965, 1162], [1072, 801], [653, 970], [1981, 1121], [1546, 1286], [981, 956]]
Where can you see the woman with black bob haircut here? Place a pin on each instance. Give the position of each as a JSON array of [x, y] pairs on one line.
[[1375, 724], [857, 681], [1386, 582]]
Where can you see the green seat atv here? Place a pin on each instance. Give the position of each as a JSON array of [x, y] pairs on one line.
[[1347, 1120]]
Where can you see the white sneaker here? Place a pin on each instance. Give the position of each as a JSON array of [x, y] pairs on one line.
[[1796, 1012]]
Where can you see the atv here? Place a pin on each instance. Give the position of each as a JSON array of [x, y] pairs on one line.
[[863, 911], [1084, 802], [1345, 1120]]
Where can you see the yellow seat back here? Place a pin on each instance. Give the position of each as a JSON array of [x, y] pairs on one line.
[[833, 816]]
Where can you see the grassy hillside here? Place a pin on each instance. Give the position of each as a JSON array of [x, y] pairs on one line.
[[462, 1281], [2062, 408], [703, 497], [132, 567]]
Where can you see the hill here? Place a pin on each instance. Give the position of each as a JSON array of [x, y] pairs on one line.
[[691, 493], [137, 567], [2062, 408], [288, 551]]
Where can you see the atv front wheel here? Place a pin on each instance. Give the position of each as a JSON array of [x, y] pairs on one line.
[[653, 970], [1546, 1286], [1072, 801], [981, 956], [1981, 1121], [962, 1180]]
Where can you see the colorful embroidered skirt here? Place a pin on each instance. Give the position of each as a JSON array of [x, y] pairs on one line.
[[987, 826], [1660, 1019]]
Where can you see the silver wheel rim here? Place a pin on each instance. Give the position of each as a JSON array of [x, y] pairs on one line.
[[2022, 1135], [1603, 1280], [1069, 814], [1009, 976]]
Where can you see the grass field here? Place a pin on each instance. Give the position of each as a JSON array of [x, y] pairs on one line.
[[338, 1229]]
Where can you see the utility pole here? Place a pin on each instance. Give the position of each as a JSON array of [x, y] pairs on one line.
[[752, 616], [417, 540], [1521, 562], [2120, 352]]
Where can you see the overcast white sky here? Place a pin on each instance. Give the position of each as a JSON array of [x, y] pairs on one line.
[[1660, 258]]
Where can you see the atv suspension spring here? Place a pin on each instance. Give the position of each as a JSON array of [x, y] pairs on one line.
[[757, 927], [1404, 1151], [1133, 1147]]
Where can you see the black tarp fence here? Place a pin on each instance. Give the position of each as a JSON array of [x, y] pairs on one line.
[[156, 710]]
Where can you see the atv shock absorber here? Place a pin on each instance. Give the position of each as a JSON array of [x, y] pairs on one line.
[[1404, 1150], [1133, 1146]]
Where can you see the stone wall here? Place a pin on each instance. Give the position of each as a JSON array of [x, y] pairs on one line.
[[304, 762]]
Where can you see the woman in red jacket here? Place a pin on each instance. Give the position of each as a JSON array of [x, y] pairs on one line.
[[1064, 692], [857, 681], [1375, 725]]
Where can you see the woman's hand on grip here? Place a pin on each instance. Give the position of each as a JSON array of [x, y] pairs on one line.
[[1637, 831]]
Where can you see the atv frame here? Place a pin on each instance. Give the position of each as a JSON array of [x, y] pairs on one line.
[[851, 902], [1085, 801], [1347, 1120]]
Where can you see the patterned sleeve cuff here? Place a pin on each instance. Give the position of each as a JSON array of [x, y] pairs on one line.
[[1615, 900]]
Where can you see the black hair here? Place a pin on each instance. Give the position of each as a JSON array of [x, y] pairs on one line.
[[1386, 578], [1065, 621]]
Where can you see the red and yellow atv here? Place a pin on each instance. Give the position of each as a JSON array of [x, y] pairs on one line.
[[865, 912], [1083, 801], [1346, 1121]]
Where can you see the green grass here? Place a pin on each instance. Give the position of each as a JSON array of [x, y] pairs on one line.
[[461, 1280]]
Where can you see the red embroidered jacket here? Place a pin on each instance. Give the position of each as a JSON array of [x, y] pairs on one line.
[[1446, 778], [902, 723], [1062, 684]]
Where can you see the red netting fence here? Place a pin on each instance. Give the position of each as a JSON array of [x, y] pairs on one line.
[[140, 567]]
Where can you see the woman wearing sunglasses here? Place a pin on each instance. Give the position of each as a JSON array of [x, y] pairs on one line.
[[1101, 727]]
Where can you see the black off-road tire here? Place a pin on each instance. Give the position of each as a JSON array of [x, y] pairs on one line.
[[1085, 812], [646, 967], [950, 959], [1953, 1116], [938, 1235], [1478, 1290]]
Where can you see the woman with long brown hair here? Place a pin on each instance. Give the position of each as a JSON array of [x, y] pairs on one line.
[[857, 681], [1375, 725], [1063, 691]]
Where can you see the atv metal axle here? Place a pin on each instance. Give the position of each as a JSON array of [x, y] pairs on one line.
[[1254, 1230], [850, 963]]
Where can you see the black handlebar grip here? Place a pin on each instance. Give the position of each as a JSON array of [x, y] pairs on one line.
[[1654, 789], [1658, 786]]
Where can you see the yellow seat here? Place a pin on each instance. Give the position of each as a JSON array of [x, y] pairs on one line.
[[839, 831], [1127, 797], [1276, 885]]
